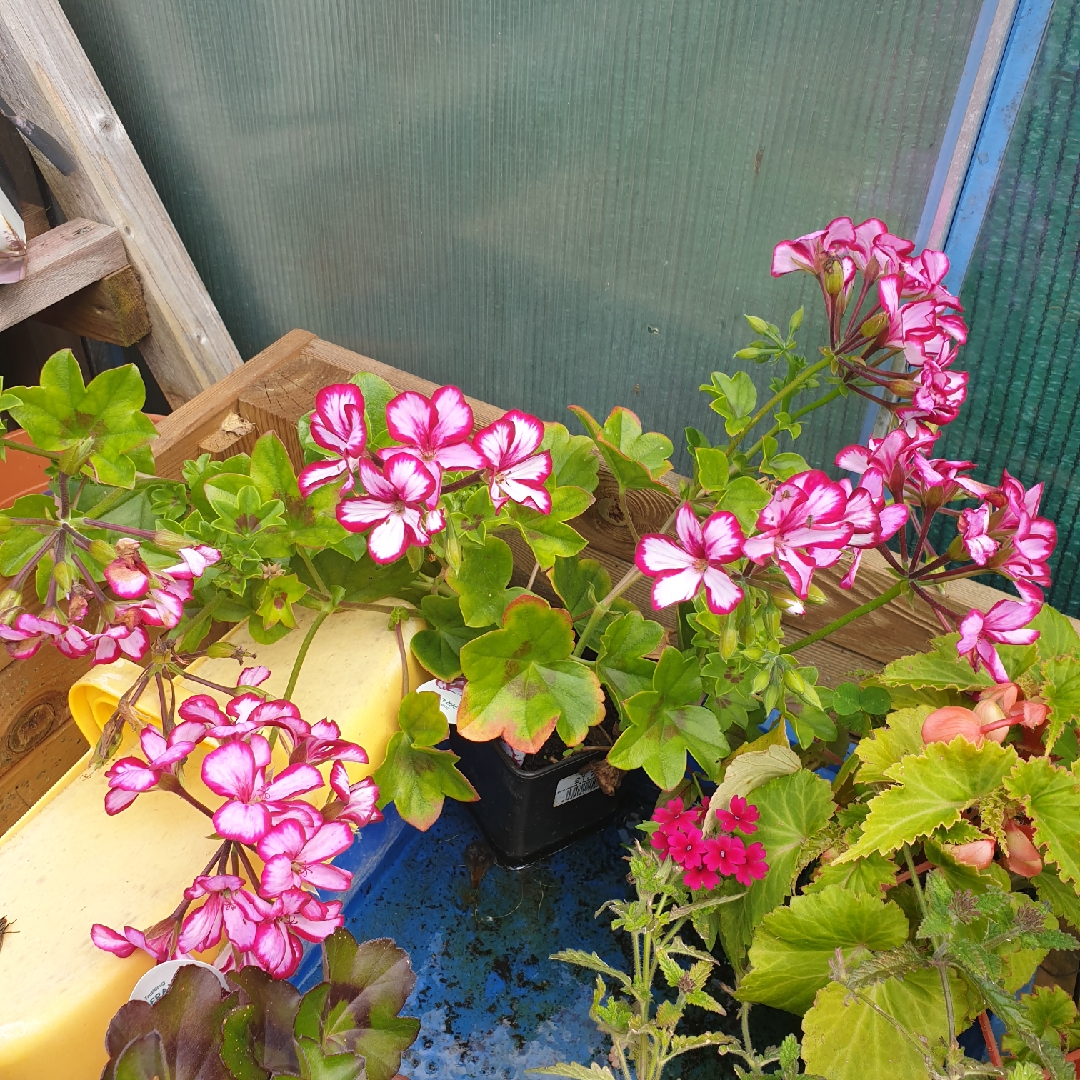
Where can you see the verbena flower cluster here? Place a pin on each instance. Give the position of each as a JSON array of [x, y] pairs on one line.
[[813, 522], [704, 860], [263, 917]]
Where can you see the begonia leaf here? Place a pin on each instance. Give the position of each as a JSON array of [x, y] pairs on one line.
[[930, 791], [439, 646], [573, 457], [481, 580], [1057, 635], [747, 772], [1060, 895], [864, 877], [523, 681], [1051, 796], [792, 810], [620, 658], [793, 946], [666, 722], [414, 775], [937, 670], [1059, 687], [845, 1039], [179, 1036], [901, 736]]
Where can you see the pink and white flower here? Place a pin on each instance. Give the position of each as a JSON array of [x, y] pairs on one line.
[[395, 506], [159, 941], [435, 432], [1003, 624], [295, 857], [229, 907], [681, 569], [355, 802], [337, 425], [513, 470], [293, 916], [803, 527], [235, 772], [130, 777], [324, 743]]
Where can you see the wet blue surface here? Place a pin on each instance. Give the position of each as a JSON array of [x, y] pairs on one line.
[[491, 1003]]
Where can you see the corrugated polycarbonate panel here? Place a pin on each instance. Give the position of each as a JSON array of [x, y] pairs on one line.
[[1022, 296], [544, 201]]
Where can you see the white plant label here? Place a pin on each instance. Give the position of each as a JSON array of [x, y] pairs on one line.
[[573, 787], [449, 696]]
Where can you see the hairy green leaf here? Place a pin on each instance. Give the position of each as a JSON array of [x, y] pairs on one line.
[[864, 877], [1057, 635], [901, 736], [936, 670], [1052, 798]]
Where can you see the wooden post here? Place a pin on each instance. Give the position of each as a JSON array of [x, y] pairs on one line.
[[46, 77]]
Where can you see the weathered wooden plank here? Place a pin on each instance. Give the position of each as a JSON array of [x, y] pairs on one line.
[[61, 262], [47, 78], [112, 309]]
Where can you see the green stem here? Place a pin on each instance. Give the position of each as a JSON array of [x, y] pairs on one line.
[[12, 444], [115, 498], [348, 605], [604, 606], [779, 396], [832, 395], [313, 629], [915, 879], [315, 576], [871, 605]]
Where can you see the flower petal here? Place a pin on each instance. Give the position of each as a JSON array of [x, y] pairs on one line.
[[675, 586], [230, 770], [246, 822]]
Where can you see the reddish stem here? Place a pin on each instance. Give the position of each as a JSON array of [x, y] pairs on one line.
[[988, 1038], [901, 878]]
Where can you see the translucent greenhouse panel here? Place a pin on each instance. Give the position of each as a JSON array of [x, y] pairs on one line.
[[1022, 300], [543, 201]]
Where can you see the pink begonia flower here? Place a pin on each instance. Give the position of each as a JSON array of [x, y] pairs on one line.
[[723, 853], [130, 777], [324, 743], [740, 816], [976, 853], [753, 867], [295, 856], [395, 506], [513, 470], [337, 425], [686, 846], [1022, 856], [680, 569], [1000, 705], [1002, 625], [435, 432], [233, 772], [945, 724], [160, 945], [355, 802], [803, 527], [229, 907], [292, 916]]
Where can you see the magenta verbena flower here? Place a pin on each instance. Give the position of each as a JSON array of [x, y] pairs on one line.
[[1003, 624], [680, 569], [740, 816], [394, 507], [723, 854], [337, 425], [686, 846], [753, 867], [514, 471]]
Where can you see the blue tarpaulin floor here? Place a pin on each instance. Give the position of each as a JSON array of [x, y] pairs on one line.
[[490, 1001]]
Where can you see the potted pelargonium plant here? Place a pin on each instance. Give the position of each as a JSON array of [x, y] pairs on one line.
[[962, 754]]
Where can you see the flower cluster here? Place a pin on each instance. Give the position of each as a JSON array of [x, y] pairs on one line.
[[158, 600], [265, 918], [403, 484], [705, 859]]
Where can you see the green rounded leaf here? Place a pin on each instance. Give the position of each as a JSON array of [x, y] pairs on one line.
[[481, 580]]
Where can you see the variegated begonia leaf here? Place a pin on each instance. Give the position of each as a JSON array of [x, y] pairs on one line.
[[666, 722], [523, 681], [845, 1039], [1051, 796], [792, 948], [747, 772], [792, 810], [438, 647], [931, 790], [863, 877], [481, 579], [939, 669], [414, 775], [902, 735], [1057, 635], [620, 657], [1058, 680], [1060, 895]]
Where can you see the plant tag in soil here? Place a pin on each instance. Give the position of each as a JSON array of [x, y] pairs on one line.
[[573, 787], [449, 696]]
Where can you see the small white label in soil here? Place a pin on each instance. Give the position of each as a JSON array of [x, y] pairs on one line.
[[517, 755], [449, 695], [573, 787]]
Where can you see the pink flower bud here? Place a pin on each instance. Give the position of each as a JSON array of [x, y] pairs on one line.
[[943, 725], [977, 853], [1023, 857]]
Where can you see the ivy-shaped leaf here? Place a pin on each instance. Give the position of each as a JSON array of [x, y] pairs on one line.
[[362, 581], [901, 736], [573, 458], [548, 535], [580, 584], [637, 459], [523, 681], [438, 647], [481, 579], [793, 946], [414, 775], [793, 809], [931, 790], [1051, 796], [620, 659], [745, 498], [666, 722]]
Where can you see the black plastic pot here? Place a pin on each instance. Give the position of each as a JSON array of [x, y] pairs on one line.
[[528, 815]]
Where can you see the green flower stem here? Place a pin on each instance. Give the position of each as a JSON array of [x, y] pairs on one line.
[[832, 395], [404, 660], [604, 606], [118, 496], [350, 605], [802, 377], [313, 629], [315, 576], [915, 880], [871, 605], [11, 444]]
